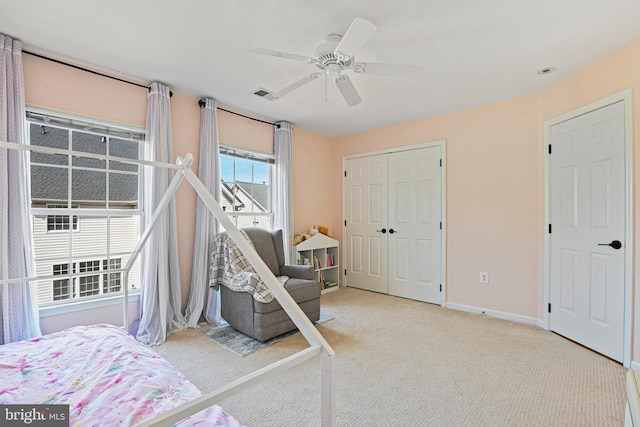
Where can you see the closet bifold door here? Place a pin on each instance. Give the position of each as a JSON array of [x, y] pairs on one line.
[[393, 216]]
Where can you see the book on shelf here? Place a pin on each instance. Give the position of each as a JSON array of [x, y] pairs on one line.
[[328, 284], [330, 261]]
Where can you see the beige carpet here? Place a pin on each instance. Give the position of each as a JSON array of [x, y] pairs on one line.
[[405, 363]]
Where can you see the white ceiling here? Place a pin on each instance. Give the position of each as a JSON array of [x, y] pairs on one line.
[[472, 52]]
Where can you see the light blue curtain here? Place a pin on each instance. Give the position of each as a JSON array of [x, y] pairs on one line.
[[18, 303], [161, 294], [203, 300], [282, 189]]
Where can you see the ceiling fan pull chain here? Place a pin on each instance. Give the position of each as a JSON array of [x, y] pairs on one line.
[[326, 90]]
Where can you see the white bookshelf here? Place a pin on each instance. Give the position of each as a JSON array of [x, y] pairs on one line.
[[323, 253]]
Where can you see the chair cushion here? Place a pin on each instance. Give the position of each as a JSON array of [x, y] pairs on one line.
[[263, 242], [300, 289], [278, 245]]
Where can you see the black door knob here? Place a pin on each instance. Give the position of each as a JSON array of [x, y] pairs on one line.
[[615, 244], [391, 231]]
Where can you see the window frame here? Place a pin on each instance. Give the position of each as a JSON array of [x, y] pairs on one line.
[[100, 295], [252, 156]]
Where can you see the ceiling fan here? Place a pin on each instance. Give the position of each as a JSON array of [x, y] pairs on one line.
[[335, 55]]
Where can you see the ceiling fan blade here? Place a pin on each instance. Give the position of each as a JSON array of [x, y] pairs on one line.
[[295, 85], [386, 69], [285, 55], [358, 33], [348, 90]]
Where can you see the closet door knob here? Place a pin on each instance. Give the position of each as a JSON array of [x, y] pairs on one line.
[[384, 230], [391, 231]]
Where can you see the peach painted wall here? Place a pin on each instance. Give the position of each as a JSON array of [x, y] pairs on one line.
[[240, 132], [492, 216], [314, 195], [53, 86]]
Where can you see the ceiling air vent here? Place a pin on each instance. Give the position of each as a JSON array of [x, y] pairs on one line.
[[264, 93]]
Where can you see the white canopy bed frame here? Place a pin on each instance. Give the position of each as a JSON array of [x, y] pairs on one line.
[[318, 345]]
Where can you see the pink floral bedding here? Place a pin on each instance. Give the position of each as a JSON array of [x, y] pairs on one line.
[[103, 373]]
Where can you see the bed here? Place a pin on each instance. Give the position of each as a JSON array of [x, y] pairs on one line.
[[133, 384], [103, 374]]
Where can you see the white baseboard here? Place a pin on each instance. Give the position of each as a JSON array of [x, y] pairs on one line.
[[513, 317], [497, 314]]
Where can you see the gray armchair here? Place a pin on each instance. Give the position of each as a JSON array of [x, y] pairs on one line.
[[263, 321]]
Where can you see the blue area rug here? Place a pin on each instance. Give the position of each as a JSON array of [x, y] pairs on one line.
[[242, 344]]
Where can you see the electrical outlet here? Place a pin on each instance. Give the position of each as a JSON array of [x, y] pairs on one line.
[[484, 277]]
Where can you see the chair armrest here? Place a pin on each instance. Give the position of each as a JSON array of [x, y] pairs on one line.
[[298, 271]]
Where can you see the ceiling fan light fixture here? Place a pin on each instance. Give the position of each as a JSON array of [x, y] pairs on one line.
[[333, 71]]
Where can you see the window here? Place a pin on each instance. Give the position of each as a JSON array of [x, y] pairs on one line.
[[89, 266], [61, 286], [61, 289], [112, 282], [89, 285], [60, 222], [105, 195], [246, 187]]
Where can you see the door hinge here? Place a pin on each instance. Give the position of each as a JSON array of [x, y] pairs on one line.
[[440, 162], [440, 287], [549, 148], [549, 308], [345, 174], [345, 271], [549, 228], [345, 222], [440, 225]]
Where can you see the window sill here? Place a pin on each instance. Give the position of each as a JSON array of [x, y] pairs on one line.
[[73, 307]]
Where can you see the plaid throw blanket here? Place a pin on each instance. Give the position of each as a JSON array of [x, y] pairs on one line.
[[230, 268]]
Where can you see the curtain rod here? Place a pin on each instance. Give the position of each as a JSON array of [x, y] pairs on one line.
[[250, 118], [202, 103], [97, 73], [77, 67]]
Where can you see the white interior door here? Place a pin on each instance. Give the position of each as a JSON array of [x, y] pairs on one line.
[[366, 215], [414, 224], [587, 189]]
